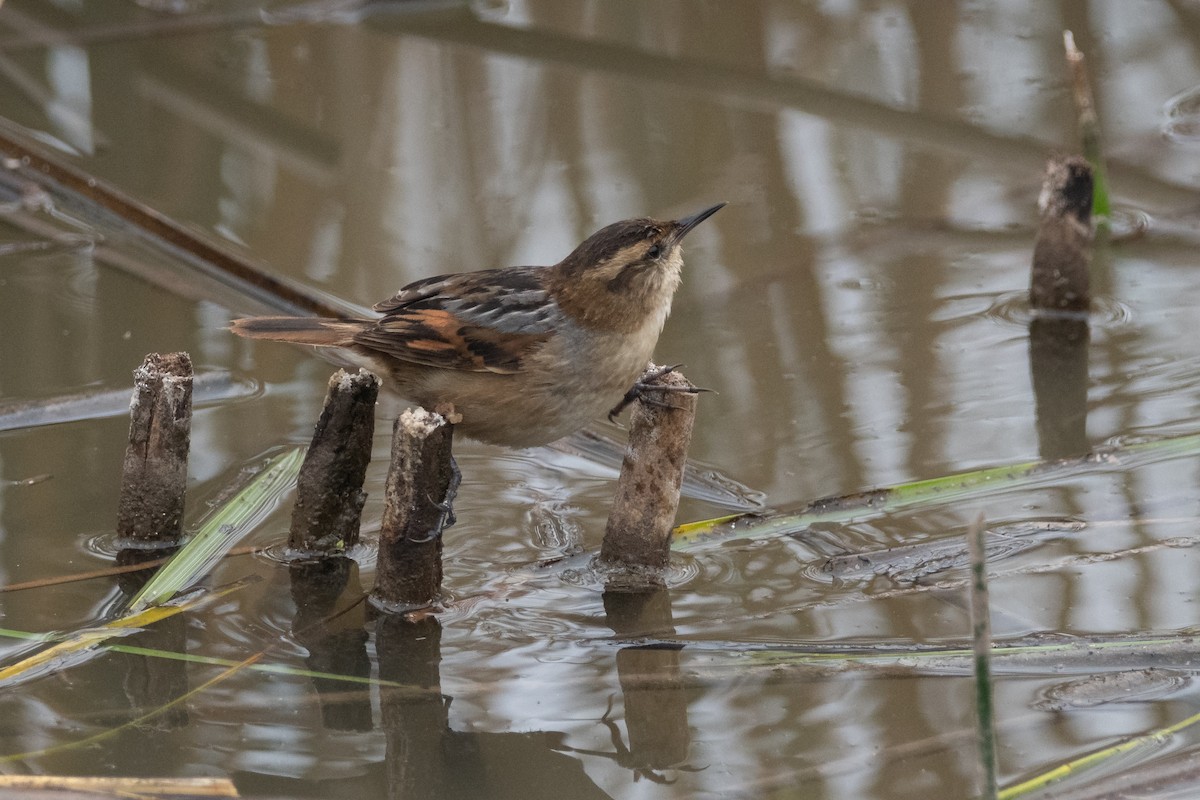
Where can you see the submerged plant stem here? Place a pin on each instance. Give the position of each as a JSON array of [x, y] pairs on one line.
[[981, 639], [1078, 765]]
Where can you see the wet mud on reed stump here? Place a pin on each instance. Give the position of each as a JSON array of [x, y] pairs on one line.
[[154, 476]]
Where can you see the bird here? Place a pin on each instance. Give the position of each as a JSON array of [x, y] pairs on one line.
[[520, 356]]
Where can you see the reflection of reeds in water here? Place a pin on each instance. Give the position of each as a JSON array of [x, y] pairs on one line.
[[1058, 361]]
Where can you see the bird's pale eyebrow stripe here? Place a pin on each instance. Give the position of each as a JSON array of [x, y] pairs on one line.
[[619, 281]]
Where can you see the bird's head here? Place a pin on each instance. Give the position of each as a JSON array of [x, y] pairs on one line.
[[624, 273]]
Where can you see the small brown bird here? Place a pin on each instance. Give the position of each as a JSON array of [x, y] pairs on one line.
[[526, 355]]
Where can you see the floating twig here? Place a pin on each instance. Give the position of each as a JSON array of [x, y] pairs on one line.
[[207, 387], [873, 503], [84, 786], [81, 645], [70, 185]]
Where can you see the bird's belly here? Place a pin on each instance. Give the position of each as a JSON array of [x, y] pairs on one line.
[[509, 410], [554, 395]]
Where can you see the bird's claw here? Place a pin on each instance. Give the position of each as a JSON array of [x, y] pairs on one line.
[[445, 506], [647, 383]]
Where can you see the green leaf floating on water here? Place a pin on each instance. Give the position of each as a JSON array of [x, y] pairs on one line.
[[79, 646], [160, 598], [221, 531], [932, 492]]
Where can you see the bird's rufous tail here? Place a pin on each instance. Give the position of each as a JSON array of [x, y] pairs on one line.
[[300, 330]]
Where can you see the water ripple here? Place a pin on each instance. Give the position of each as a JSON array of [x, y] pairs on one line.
[[1013, 308], [1182, 123]]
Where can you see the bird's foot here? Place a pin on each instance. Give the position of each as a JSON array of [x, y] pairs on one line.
[[645, 384], [445, 506]]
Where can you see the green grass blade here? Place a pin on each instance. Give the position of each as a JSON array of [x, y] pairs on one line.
[[208, 661], [981, 640], [1023, 657], [925, 493], [222, 530], [1153, 739], [81, 645]]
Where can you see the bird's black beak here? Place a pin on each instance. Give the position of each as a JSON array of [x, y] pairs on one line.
[[687, 223]]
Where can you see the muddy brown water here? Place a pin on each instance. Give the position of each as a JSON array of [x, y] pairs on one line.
[[857, 307]]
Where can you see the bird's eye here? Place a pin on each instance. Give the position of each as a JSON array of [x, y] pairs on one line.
[[654, 252]]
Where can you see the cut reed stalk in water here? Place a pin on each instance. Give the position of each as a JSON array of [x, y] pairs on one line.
[[421, 485], [638, 533], [329, 494], [1060, 281], [1060, 278], [1154, 740], [154, 476]]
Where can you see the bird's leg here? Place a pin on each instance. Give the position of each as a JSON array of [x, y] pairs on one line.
[[446, 506], [645, 384]]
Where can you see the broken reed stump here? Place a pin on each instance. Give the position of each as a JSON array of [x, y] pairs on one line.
[[329, 494], [639, 527], [421, 484], [154, 476], [1060, 294], [1061, 274]]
